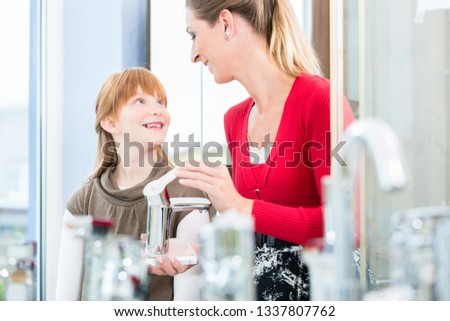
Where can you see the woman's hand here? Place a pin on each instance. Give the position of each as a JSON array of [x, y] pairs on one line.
[[217, 183], [169, 266]]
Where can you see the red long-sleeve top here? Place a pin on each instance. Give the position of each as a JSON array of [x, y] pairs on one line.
[[287, 188]]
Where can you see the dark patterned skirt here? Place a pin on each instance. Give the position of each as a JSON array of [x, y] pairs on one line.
[[280, 274]]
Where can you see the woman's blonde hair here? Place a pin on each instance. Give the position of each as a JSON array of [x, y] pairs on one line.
[[275, 20], [115, 92]]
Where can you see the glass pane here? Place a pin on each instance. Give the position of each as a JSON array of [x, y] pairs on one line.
[[405, 83]]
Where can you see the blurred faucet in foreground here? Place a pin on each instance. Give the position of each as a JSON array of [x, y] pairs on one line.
[[227, 259], [381, 142], [420, 254]]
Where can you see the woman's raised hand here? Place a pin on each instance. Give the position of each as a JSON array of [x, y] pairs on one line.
[[217, 183]]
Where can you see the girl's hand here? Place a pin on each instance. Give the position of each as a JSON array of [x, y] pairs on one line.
[[168, 266], [217, 183]]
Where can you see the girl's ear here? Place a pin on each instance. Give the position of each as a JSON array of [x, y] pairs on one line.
[[109, 125]]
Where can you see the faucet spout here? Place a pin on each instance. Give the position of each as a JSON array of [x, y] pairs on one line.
[[160, 209], [380, 142]]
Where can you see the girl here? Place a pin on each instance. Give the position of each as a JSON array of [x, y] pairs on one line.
[[131, 124]]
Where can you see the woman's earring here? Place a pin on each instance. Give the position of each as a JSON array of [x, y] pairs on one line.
[[227, 35]]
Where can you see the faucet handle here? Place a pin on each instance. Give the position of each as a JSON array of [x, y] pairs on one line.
[[156, 187]]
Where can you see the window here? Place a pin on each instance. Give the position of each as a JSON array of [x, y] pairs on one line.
[[14, 106], [197, 104], [18, 219]]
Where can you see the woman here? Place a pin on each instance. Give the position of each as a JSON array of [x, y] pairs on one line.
[[131, 124], [278, 137]]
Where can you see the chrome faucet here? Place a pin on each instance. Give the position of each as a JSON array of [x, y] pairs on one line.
[[160, 209], [381, 142]]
